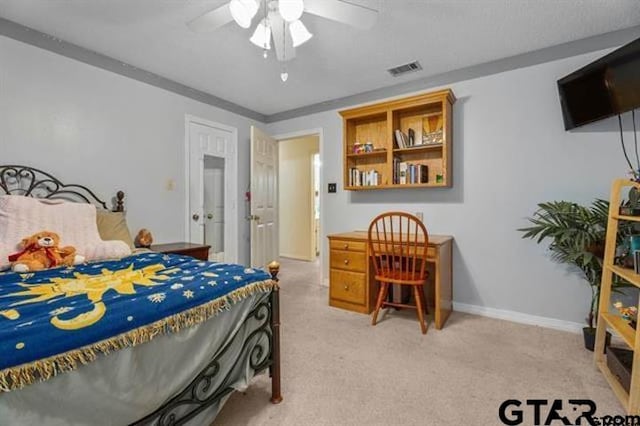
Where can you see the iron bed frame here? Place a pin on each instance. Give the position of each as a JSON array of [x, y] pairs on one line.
[[260, 347]]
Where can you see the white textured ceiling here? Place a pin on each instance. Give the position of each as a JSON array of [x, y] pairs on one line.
[[339, 61]]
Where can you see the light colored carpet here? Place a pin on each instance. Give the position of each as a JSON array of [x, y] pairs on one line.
[[338, 369]]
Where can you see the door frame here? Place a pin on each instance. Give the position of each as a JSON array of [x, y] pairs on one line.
[[310, 132], [231, 244], [315, 239]]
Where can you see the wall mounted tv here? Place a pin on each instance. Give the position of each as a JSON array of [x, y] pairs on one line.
[[602, 89]]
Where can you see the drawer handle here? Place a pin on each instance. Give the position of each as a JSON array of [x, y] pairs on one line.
[[346, 261], [346, 246], [346, 287]]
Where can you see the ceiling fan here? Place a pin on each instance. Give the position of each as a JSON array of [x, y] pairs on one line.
[[280, 21]]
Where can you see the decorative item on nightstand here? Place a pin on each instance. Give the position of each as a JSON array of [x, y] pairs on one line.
[[144, 239]]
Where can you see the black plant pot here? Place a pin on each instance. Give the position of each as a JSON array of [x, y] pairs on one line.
[[589, 334]]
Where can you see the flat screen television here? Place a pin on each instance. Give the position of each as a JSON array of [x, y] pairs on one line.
[[602, 89]]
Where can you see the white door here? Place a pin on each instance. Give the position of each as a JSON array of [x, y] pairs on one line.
[[214, 207], [204, 142], [264, 198]]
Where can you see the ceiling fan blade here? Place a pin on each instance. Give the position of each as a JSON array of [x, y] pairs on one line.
[[211, 20], [342, 11], [282, 41]]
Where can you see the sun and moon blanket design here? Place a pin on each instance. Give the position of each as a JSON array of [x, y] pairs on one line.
[[53, 320]]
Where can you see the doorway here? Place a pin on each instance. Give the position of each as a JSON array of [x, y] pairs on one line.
[[211, 187], [299, 197]]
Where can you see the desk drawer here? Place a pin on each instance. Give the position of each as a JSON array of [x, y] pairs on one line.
[[347, 286], [347, 245], [348, 260]]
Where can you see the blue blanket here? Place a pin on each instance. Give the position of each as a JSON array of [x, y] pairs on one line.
[[63, 316]]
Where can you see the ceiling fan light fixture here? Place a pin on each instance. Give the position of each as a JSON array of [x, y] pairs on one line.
[[243, 11], [299, 33], [262, 35], [291, 10]]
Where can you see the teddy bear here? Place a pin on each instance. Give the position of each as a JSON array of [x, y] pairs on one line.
[[41, 251]]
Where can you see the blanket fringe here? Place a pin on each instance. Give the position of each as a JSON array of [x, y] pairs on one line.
[[46, 368]]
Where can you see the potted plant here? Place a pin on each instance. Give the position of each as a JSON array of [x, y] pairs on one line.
[[577, 237]]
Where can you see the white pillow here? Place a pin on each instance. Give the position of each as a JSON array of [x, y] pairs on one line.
[[75, 223]]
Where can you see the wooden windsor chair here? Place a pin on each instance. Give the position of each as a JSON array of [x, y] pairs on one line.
[[398, 246]]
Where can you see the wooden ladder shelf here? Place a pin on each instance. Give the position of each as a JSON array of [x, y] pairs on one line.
[[630, 400]]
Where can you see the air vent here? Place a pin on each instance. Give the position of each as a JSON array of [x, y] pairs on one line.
[[404, 69]]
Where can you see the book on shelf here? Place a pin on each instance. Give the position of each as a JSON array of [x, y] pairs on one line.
[[411, 137], [396, 170], [403, 173], [401, 139], [363, 178], [424, 173], [409, 173]]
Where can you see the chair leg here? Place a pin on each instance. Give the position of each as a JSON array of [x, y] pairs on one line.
[[423, 293], [382, 295], [416, 292]]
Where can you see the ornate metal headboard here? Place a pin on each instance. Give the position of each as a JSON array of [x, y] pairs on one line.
[[30, 182]]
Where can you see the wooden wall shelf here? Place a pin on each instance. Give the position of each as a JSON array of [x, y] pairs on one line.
[[393, 165], [381, 153], [419, 148]]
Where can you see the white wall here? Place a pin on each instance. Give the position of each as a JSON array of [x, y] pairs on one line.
[[510, 152], [90, 126], [295, 168]]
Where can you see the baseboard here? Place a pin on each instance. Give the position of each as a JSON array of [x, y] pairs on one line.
[[574, 327]]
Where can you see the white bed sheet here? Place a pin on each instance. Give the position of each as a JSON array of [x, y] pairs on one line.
[[126, 385]]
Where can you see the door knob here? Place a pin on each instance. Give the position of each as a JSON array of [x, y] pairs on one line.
[[209, 216], [195, 217]]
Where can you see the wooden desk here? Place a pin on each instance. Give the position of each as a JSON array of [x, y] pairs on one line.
[[351, 279]]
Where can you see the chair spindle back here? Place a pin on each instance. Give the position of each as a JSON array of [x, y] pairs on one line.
[[398, 243]]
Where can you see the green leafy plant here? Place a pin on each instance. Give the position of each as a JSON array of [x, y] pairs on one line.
[[577, 237]]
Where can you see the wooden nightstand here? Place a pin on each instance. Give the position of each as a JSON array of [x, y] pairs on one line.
[[198, 251]]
